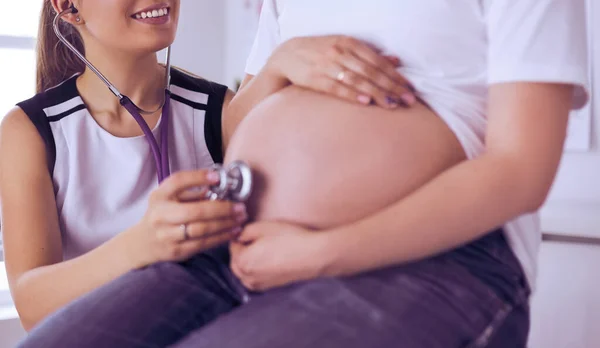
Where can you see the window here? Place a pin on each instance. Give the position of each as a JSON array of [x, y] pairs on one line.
[[17, 73], [17, 54]]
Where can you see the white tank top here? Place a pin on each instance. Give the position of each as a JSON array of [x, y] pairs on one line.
[[102, 182]]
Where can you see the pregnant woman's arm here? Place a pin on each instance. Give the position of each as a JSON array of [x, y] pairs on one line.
[[335, 65], [526, 132]]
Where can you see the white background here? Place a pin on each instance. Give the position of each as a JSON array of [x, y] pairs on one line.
[[574, 204]]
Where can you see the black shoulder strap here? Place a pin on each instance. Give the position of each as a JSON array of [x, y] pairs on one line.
[[33, 109], [213, 129], [213, 132]]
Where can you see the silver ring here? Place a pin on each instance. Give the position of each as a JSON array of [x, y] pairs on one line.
[[184, 229], [340, 76]]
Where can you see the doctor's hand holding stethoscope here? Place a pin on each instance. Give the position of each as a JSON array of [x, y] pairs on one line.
[[179, 223]]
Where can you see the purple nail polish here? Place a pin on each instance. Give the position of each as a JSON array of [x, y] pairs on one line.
[[392, 102]]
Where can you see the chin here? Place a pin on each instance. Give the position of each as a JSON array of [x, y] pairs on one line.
[[156, 46], [162, 46]]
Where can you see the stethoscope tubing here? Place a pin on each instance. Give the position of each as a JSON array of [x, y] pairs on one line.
[[237, 172], [160, 154]]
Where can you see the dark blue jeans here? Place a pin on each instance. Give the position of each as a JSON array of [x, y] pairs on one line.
[[474, 296]]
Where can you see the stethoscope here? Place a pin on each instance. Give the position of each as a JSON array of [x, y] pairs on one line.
[[236, 178]]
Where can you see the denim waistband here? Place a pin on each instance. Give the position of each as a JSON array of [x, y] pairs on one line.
[[492, 261]]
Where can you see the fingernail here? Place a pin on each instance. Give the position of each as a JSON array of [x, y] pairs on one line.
[[391, 102], [236, 230], [213, 177], [409, 98], [364, 99], [239, 208]]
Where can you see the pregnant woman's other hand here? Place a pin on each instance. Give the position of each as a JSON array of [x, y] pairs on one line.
[[176, 226], [345, 67], [272, 254]]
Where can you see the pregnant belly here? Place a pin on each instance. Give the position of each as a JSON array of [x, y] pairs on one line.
[[321, 162]]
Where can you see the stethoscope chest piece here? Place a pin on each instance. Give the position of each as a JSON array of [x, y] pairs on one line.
[[235, 182]]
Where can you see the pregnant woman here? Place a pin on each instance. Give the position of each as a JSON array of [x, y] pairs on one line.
[[407, 224]]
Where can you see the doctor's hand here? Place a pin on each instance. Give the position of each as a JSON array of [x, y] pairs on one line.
[[176, 226], [271, 254], [345, 67]]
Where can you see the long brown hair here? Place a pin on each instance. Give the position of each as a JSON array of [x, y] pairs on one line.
[[55, 62]]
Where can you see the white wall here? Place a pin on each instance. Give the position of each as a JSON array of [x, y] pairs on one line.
[[241, 20], [200, 43], [11, 332], [566, 307], [578, 181]]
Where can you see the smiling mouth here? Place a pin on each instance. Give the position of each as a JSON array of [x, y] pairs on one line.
[[156, 13]]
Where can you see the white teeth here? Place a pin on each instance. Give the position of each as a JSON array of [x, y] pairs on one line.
[[152, 14]]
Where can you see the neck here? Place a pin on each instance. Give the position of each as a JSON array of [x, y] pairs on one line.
[[138, 77]]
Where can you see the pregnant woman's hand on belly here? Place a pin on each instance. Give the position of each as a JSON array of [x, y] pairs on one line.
[[272, 254], [345, 67], [176, 226]]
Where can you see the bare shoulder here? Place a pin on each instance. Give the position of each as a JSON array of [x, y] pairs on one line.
[[31, 232], [15, 117], [18, 135]]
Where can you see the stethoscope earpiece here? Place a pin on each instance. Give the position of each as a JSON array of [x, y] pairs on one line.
[[73, 10]]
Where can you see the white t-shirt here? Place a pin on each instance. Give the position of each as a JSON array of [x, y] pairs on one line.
[[452, 51]]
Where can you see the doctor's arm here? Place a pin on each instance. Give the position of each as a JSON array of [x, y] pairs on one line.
[[40, 280], [526, 132]]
